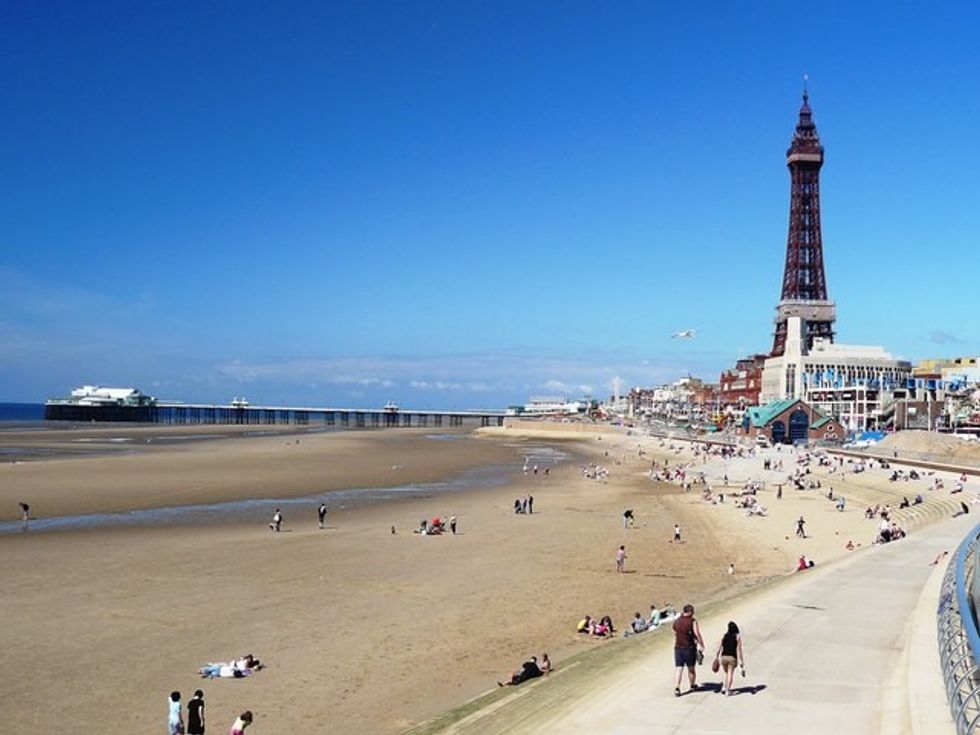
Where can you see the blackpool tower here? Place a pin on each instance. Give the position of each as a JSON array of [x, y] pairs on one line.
[[804, 291]]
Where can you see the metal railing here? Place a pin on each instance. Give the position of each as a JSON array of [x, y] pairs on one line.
[[959, 639]]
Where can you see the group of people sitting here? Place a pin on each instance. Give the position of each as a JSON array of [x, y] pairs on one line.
[[531, 669], [602, 628], [435, 527], [751, 505], [889, 531], [235, 669], [897, 475], [595, 472], [876, 511], [639, 624]]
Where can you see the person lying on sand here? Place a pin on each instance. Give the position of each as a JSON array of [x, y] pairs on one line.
[[236, 669], [528, 670], [223, 671]]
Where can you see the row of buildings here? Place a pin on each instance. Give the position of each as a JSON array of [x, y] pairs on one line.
[[807, 375]]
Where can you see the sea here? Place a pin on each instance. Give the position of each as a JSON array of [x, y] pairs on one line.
[[21, 412]]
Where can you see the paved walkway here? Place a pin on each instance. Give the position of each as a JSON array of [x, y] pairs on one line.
[[827, 651]]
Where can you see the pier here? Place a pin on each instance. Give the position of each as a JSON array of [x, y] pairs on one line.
[[191, 413]]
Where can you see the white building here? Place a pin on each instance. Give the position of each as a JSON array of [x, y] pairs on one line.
[[94, 395], [853, 383], [549, 406]]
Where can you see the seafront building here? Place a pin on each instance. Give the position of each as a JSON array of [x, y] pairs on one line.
[[857, 385], [549, 406], [688, 400], [94, 395]]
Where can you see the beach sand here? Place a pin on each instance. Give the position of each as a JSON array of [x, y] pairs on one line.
[[362, 630]]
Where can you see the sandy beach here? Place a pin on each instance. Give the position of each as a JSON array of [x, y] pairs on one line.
[[362, 630]]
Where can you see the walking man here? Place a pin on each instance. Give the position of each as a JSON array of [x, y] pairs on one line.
[[276, 521], [452, 524], [677, 534], [799, 527], [322, 513], [621, 559], [688, 647], [530, 504]]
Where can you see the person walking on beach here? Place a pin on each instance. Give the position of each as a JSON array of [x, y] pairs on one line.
[[25, 511], [800, 531], [452, 524], [730, 655], [677, 534], [195, 714], [322, 513], [175, 720], [688, 645], [243, 721], [621, 559], [530, 504], [628, 518], [276, 521]]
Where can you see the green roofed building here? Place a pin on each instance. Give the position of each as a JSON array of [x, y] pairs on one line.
[[788, 421]]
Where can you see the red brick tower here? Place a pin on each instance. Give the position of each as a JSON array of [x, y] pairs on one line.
[[804, 284]]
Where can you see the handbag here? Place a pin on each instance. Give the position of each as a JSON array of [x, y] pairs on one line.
[[715, 665]]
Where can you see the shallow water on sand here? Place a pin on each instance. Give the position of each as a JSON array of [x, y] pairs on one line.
[[260, 510]]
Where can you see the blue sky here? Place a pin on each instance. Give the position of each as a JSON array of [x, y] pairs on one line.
[[462, 204]]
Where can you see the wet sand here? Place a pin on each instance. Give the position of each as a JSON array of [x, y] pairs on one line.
[[362, 630]]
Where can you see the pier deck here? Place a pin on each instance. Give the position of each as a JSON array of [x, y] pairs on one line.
[[192, 413]]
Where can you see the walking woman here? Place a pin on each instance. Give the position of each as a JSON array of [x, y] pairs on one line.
[[730, 654]]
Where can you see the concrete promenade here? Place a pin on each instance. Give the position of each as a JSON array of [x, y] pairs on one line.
[[846, 648]]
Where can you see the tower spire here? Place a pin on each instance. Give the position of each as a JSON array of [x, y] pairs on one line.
[[804, 292]]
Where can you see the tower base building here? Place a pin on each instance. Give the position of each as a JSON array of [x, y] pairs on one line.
[[856, 384]]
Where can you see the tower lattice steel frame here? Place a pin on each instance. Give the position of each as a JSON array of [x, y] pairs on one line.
[[804, 291]]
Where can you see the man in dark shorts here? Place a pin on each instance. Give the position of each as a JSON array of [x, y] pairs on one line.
[[195, 714], [688, 643], [322, 513]]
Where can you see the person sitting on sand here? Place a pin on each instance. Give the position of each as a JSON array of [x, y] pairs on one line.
[[638, 625], [529, 670], [545, 664], [604, 628], [654, 621], [585, 625]]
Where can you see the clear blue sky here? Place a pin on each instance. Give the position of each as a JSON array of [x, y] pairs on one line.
[[460, 204]]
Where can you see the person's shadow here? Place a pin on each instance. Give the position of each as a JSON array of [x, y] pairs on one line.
[[716, 686], [750, 689]]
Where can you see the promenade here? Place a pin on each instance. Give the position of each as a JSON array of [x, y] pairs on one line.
[[846, 648]]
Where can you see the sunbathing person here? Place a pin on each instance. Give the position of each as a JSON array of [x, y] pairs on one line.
[[223, 671]]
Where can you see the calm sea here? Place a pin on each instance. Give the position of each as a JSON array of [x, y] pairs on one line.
[[21, 412]]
